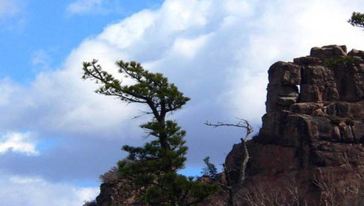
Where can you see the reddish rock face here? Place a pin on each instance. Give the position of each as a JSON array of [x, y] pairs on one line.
[[312, 136], [328, 106]]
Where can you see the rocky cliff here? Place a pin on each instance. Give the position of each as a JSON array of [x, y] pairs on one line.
[[309, 150]]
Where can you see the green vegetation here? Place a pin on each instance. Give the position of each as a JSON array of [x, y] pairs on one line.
[[357, 19], [151, 170]]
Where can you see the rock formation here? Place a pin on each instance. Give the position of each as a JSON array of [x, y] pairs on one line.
[[309, 151], [310, 147]]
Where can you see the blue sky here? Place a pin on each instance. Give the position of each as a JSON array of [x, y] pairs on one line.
[[40, 34], [57, 136]]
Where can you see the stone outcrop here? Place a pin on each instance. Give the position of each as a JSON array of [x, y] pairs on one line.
[[309, 151], [310, 147], [115, 191]]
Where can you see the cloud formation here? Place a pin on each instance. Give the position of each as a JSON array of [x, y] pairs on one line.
[[31, 191], [18, 143]]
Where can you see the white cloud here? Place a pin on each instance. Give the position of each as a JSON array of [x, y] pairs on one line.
[[31, 191], [7, 90], [60, 102], [188, 47], [128, 32], [19, 143]]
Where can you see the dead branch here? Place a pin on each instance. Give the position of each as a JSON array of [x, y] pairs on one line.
[[244, 124]]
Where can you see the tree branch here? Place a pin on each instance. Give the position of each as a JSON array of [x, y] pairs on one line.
[[241, 124]]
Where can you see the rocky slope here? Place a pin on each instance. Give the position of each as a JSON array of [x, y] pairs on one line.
[[309, 150]]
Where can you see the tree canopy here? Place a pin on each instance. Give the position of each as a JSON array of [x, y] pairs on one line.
[[357, 19]]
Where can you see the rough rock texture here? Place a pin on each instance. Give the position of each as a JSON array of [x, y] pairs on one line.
[[115, 191], [310, 147]]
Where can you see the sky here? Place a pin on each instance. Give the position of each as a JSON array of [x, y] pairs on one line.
[[57, 136]]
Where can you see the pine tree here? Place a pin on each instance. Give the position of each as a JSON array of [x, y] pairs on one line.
[[151, 170], [357, 19]]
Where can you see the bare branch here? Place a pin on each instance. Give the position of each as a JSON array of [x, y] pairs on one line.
[[242, 123]]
